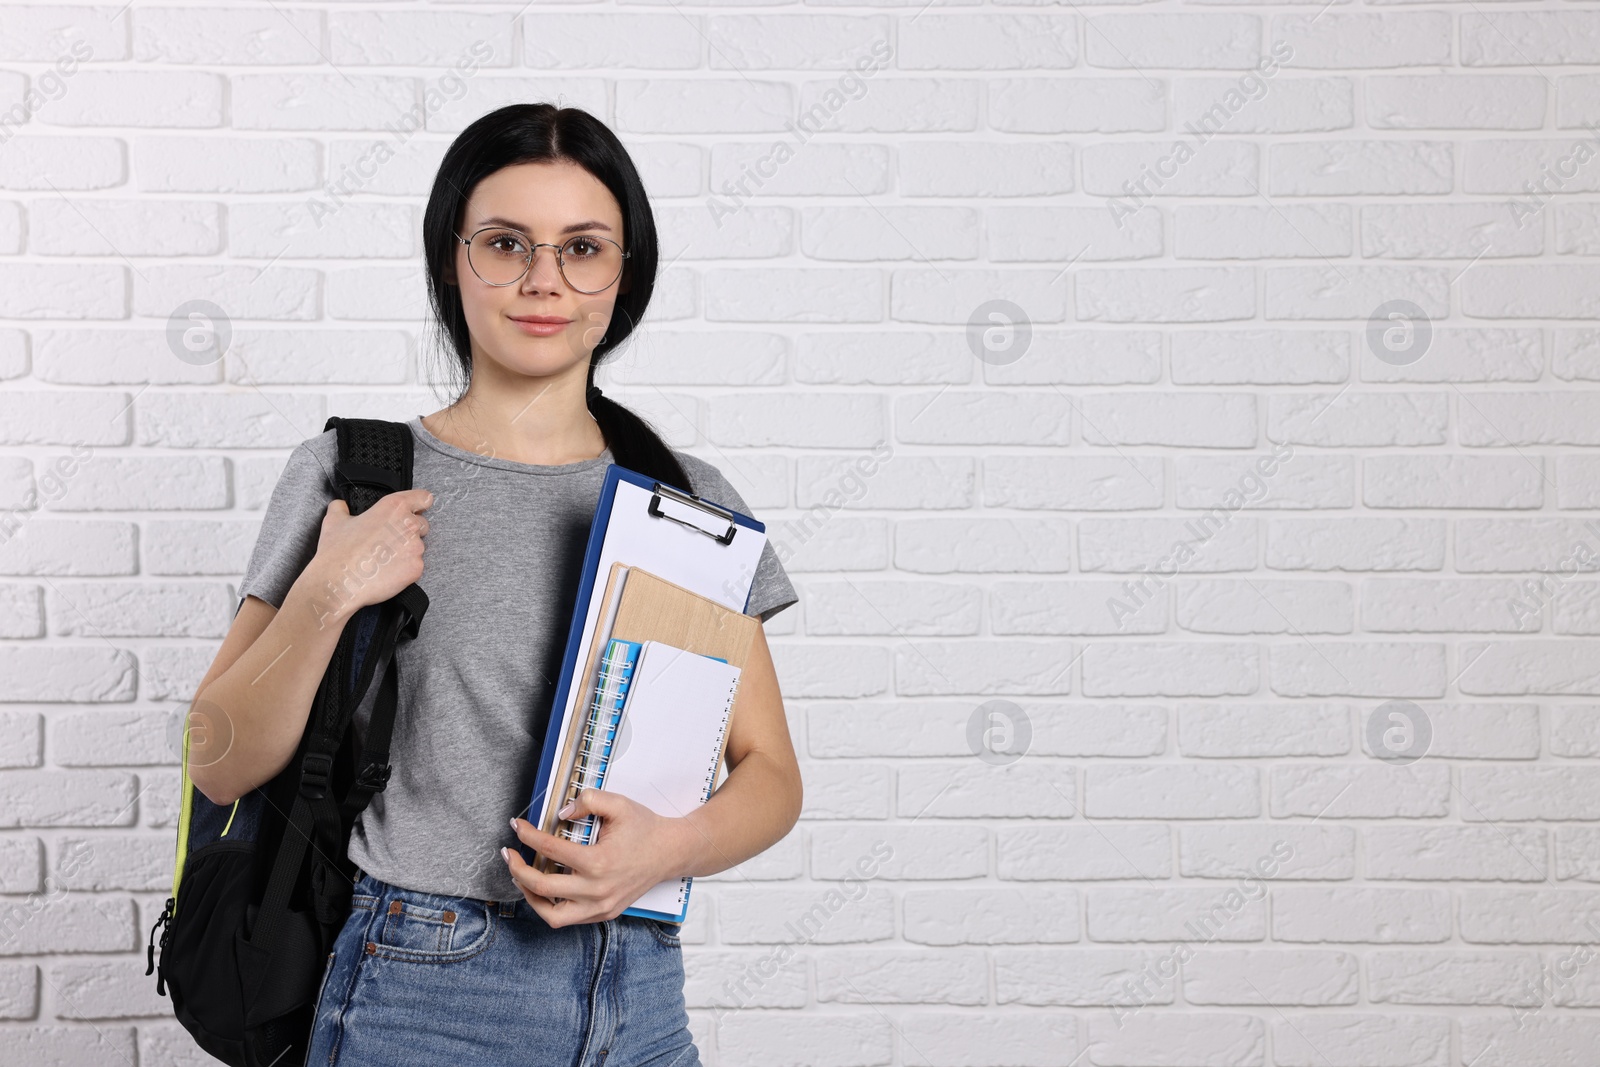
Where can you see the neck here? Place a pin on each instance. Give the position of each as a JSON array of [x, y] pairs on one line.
[[548, 425]]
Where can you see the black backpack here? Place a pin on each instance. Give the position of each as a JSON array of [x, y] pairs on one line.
[[261, 887]]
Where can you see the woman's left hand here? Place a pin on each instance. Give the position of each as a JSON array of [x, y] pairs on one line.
[[635, 850]]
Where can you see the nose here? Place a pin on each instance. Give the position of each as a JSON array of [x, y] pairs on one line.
[[546, 281]]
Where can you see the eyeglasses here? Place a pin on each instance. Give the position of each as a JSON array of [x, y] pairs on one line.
[[501, 257]]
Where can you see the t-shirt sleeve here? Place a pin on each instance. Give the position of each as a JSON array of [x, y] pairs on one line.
[[290, 528], [770, 590]]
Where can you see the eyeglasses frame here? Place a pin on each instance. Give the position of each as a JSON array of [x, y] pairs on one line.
[[533, 250]]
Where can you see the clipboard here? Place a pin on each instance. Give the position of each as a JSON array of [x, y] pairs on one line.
[[645, 523]]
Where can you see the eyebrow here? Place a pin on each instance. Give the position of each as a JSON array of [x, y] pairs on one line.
[[576, 227]]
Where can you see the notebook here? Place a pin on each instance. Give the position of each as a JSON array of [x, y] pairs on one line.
[[599, 735], [655, 732], [635, 606]]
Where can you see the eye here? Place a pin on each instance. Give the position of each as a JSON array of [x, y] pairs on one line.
[[506, 242], [583, 246]]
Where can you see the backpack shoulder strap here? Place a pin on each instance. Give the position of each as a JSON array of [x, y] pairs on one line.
[[374, 459]]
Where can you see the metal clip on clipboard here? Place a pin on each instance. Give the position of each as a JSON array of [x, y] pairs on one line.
[[689, 500]]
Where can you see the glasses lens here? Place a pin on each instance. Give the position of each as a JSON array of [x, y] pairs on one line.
[[498, 256], [590, 263]]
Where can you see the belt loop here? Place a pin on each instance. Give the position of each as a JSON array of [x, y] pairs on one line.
[[508, 908]]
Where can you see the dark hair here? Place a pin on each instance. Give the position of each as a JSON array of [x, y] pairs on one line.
[[540, 133]]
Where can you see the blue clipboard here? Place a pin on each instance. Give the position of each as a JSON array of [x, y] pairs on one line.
[[717, 523]]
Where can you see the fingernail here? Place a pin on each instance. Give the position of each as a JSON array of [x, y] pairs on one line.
[[513, 822], [566, 812], [505, 854]]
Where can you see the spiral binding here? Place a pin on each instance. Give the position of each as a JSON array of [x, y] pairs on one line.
[[716, 757], [599, 738]]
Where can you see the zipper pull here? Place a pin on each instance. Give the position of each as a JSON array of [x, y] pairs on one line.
[[166, 917], [161, 979]]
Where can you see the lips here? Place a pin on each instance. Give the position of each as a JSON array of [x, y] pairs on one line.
[[549, 320]]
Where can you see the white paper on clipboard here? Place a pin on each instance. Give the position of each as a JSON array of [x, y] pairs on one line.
[[672, 551]]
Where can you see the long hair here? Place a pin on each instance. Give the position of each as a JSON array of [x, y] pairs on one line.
[[542, 133]]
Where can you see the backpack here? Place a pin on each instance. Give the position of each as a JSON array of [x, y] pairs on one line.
[[261, 887]]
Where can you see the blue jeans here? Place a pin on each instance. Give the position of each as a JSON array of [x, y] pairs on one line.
[[417, 978]]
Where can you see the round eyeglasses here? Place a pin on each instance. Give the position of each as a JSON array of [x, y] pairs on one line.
[[501, 257]]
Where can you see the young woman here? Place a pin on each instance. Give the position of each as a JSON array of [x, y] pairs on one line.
[[541, 257]]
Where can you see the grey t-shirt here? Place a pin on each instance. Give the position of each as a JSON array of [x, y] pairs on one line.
[[504, 551]]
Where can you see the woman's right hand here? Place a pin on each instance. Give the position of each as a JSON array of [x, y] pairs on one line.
[[372, 556]]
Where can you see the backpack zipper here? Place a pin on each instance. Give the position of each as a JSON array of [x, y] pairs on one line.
[[150, 968]]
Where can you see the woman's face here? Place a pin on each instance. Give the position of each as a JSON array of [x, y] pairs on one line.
[[549, 203]]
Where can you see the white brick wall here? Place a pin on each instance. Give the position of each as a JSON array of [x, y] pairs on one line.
[[1197, 206]]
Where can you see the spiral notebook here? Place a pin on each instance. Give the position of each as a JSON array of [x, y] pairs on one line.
[[598, 741], [655, 732]]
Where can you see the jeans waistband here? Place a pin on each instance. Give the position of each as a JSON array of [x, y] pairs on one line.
[[372, 885]]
